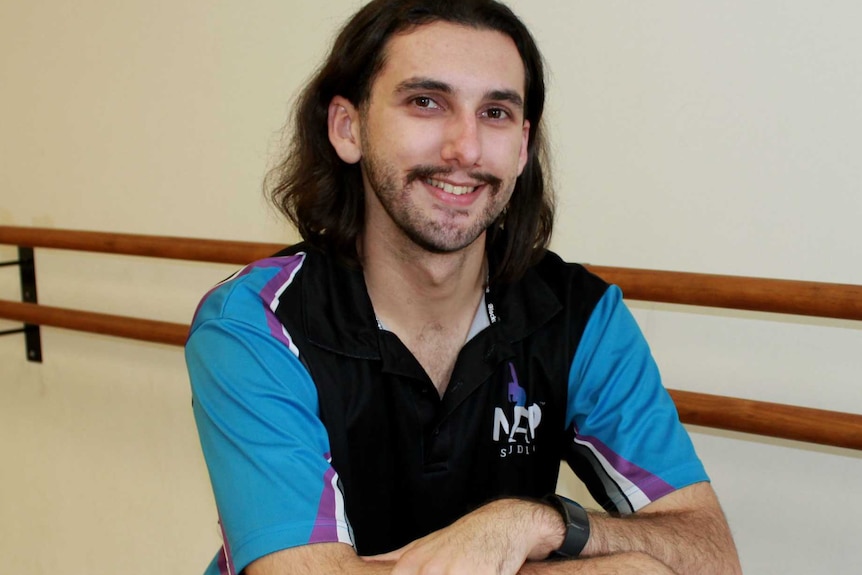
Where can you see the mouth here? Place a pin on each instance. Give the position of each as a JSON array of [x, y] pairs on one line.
[[451, 188]]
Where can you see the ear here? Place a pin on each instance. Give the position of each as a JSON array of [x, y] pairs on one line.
[[343, 122], [525, 142]]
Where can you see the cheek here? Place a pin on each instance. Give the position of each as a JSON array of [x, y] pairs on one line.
[[404, 143], [504, 155]]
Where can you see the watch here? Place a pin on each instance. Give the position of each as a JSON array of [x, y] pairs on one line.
[[577, 524]]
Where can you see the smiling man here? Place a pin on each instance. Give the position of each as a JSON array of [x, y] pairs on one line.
[[396, 393]]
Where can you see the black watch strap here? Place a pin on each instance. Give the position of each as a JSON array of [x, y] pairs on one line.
[[577, 524]]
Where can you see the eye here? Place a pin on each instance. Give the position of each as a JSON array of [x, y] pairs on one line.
[[496, 114], [425, 102]]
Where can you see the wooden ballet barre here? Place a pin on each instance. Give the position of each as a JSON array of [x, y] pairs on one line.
[[832, 300], [92, 322], [817, 299], [824, 427], [165, 247]]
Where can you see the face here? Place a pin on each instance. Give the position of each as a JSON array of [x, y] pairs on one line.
[[442, 138]]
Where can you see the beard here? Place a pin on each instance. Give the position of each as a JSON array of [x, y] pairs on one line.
[[446, 232]]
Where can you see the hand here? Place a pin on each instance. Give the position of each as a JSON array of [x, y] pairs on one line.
[[493, 540]]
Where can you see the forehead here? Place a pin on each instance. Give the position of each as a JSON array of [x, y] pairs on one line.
[[463, 57]]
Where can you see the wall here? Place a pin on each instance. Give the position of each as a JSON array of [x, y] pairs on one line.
[[694, 136]]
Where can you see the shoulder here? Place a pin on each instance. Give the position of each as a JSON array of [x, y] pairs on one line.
[[572, 283], [250, 294]]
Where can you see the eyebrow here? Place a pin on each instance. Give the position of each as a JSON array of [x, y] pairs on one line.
[[431, 85]]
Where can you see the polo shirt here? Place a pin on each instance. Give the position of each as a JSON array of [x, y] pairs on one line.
[[318, 425]]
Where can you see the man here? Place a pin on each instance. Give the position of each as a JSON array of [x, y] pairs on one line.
[[395, 394]]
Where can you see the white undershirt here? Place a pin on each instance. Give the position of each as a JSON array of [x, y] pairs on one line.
[[480, 321]]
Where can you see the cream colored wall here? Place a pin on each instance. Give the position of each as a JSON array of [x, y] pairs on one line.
[[696, 136]]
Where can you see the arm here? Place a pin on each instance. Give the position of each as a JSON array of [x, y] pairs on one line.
[[321, 558], [683, 533], [638, 461], [256, 409], [619, 564], [331, 558], [685, 530], [494, 539]]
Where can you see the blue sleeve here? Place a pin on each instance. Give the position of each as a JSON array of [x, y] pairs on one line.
[[257, 414], [628, 444]]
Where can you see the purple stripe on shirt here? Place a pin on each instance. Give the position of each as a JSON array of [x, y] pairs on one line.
[[264, 263], [225, 559], [325, 528], [650, 485], [271, 289], [289, 265], [222, 563]]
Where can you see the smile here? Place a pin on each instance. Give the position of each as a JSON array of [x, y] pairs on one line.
[[451, 189]]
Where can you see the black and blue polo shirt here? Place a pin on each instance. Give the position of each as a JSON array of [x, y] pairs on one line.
[[318, 425]]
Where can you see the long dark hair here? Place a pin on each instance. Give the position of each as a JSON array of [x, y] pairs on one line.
[[323, 195]]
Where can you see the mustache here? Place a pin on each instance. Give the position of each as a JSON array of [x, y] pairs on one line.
[[430, 172]]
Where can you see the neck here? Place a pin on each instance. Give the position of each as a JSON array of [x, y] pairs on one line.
[[413, 287], [428, 300]]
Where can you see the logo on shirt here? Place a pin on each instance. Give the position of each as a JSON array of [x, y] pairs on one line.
[[515, 425]]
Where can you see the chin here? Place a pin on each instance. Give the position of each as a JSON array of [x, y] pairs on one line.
[[445, 245]]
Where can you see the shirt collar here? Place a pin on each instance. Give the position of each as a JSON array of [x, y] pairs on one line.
[[338, 315]]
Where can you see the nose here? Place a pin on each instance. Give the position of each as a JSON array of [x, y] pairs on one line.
[[462, 145]]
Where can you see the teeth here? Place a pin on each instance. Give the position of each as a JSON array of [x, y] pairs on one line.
[[449, 188]]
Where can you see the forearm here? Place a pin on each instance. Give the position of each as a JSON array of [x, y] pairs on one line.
[[619, 564], [684, 533], [691, 538], [317, 559], [327, 558], [497, 538]]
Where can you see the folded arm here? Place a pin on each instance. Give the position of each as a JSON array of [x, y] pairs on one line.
[[683, 533], [686, 530], [494, 539], [331, 558]]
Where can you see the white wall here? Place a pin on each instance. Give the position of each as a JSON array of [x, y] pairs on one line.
[[694, 136]]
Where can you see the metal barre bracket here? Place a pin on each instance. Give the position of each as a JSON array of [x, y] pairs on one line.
[[32, 336]]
